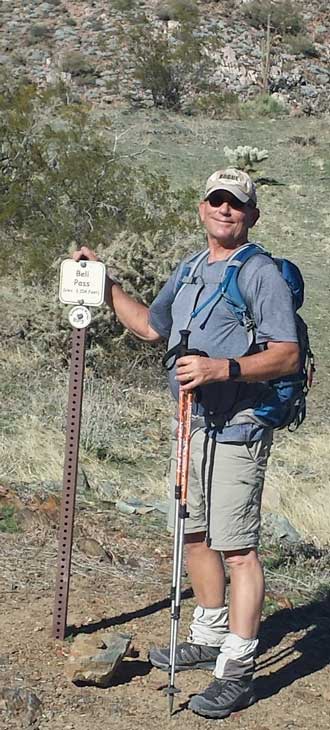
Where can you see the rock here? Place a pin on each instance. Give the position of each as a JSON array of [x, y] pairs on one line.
[[275, 528], [137, 506], [20, 703], [93, 549], [107, 492], [93, 660], [125, 508], [160, 506], [309, 91]]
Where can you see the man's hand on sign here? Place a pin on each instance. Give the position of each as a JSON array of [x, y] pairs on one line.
[[84, 253]]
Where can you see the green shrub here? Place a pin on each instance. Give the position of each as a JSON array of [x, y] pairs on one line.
[[123, 6], [77, 64], [218, 105], [284, 16], [301, 45], [166, 65], [62, 185], [7, 520], [39, 33], [179, 10], [160, 76], [262, 105]]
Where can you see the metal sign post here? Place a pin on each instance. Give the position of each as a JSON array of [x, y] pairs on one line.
[[81, 283]]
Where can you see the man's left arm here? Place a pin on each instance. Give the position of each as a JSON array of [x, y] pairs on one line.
[[280, 358]]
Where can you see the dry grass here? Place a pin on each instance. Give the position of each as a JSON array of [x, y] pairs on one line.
[[124, 441], [299, 480], [123, 430]]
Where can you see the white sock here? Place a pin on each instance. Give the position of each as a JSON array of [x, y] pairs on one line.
[[209, 626], [235, 650]]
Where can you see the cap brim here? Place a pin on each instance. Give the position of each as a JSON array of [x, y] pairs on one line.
[[229, 189]]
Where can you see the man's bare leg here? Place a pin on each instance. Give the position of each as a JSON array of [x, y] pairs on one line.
[[206, 571], [247, 590], [207, 576], [232, 688]]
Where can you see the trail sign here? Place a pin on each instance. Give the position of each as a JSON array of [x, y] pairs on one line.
[[82, 282]]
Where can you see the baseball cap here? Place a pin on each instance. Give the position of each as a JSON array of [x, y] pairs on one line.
[[233, 181]]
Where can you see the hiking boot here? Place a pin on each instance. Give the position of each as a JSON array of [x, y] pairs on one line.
[[222, 697], [188, 656]]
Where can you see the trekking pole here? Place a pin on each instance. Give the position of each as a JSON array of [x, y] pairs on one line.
[[181, 487]]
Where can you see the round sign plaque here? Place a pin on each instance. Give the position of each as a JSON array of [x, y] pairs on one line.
[[80, 317]]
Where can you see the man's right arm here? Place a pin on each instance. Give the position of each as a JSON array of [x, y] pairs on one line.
[[132, 314]]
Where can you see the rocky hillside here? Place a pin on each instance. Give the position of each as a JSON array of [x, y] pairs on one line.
[[83, 45]]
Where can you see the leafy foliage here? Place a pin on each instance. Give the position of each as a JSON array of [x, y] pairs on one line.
[[168, 64], [39, 33], [217, 104], [263, 105], [284, 15], [63, 185], [301, 45], [177, 10], [7, 519]]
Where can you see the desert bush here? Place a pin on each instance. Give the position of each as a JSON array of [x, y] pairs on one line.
[[39, 33], [218, 104], [178, 10], [123, 6], [63, 185], [263, 105], [284, 15], [168, 65], [77, 64], [301, 45]]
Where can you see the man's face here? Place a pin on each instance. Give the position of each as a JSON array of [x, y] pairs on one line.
[[226, 219]]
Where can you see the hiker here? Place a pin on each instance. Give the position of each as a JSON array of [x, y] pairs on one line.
[[229, 446]]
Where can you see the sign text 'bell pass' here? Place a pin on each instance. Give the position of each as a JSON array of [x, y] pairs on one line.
[[82, 282]]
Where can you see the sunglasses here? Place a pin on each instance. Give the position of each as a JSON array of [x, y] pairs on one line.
[[217, 198]]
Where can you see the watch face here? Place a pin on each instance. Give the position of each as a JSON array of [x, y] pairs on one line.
[[234, 369]]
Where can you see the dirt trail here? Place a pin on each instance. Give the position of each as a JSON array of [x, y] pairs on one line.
[[129, 593]]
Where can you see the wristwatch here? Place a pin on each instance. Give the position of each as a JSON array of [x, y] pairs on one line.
[[234, 369]]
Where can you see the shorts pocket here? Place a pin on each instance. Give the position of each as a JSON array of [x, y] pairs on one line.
[[259, 450]]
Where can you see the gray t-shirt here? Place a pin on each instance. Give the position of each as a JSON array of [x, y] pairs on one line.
[[216, 330]]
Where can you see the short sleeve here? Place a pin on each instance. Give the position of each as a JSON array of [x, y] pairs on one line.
[[160, 311], [269, 300]]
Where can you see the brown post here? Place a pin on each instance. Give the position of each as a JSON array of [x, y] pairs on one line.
[[69, 483]]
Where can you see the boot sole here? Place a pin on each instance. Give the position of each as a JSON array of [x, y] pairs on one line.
[[220, 715]]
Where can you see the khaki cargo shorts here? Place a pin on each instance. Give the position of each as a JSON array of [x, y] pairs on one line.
[[224, 490]]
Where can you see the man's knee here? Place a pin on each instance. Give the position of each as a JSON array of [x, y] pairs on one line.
[[195, 543], [241, 558]]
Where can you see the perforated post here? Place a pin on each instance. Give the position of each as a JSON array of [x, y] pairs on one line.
[[69, 483]]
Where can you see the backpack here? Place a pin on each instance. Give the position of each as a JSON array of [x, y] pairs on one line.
[[286, 404]]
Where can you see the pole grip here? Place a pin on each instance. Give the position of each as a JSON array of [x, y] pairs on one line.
[[183, 344]]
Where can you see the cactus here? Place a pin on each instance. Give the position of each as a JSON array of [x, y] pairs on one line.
[[244, 158]]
